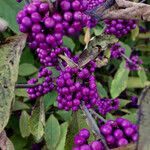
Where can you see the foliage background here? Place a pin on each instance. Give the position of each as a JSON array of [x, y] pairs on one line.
[[39, 123]]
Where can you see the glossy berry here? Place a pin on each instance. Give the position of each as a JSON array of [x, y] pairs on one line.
[[97, 145], [78, 140], [106, 129], [122, 142], [84, 133], [118, 133]]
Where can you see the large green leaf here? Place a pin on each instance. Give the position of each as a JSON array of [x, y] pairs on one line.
[[9, 63], [27, 69], [21, 93], [119, 82], [101, 90], [52, 132], [24, 124], [63, 133], [8, 11], [135, 82], [142, 75], [18, 105], [37, 121], [27, 56]]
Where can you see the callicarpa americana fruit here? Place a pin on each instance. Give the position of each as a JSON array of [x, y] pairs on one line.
[[117, 133], [75, 86], [41, 88]]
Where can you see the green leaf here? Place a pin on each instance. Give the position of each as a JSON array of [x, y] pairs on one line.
[[54, 71], [37, 121], [128, 49], [101, 90], [52, 132], [9, 63], [69, 43], [21, 93], [63, 133], [18, 105], [132, 117], [124, 102], [8, 11], [49, 99], [119, 82], [109, 116], [27, 69], [18, 141], [24, 124], [65, 115], [98, 30], [135, 33], [27, 56], [135, 82], [142, 75]]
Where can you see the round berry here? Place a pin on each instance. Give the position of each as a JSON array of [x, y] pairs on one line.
[[84, 133], [118, 133], [106, 129], [65, 5], [97, 145], [129, 131], [122, 142], [78, 140]]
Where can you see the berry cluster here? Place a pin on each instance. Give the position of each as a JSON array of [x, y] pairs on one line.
[[106, 105], [133, 63], [119, 132], [47, 29], [119, 27], [50, 57], [117, 51], [80, 140], [94, 3], [41, 88], [75, 86]]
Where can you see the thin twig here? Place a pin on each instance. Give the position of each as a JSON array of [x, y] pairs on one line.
[[97, 115], [93, 125], [124, 56], [25, 86]]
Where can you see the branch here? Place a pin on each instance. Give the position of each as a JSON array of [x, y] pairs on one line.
[[98, 116], [125, 10], [25, 86], [93, 126]]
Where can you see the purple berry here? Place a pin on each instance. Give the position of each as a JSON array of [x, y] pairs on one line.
[[85, 147], [97, 145], [118, 133], [84, 133], [106, 129], [65, 5], [26, 21], [78, 140], [122, 142]]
